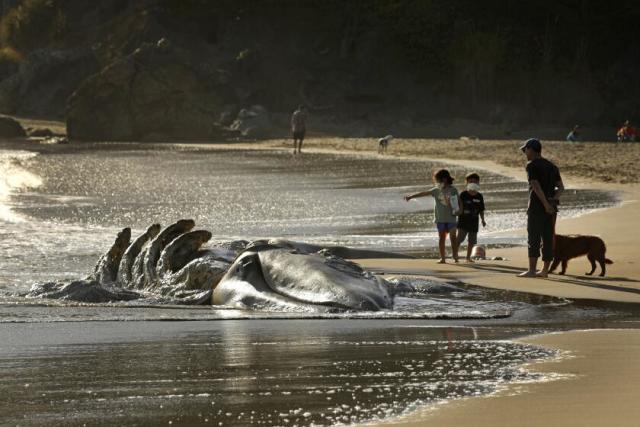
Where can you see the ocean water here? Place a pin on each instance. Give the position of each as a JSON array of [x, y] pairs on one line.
[[61, 207]]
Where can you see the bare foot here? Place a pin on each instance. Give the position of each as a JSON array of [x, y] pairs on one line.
[[456, 260], [527, 274], [442, 261], [470, 260], [542, 274]]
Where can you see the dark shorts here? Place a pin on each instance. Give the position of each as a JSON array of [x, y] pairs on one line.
[[299, 134], [540, 230], [446, 226], [473, 236]]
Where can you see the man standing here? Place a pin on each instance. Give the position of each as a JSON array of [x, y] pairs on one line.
[[298, 127], [545, 188]]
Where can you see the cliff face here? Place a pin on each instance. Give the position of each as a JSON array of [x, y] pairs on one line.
[[380, 63]]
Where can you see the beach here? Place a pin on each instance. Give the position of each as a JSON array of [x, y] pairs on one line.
[[211, 216], [568, 376]]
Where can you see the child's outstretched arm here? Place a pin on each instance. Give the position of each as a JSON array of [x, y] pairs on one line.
[[417, 195]]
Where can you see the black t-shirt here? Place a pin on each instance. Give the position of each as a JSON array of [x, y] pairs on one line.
[[547, 175], [471, 208]]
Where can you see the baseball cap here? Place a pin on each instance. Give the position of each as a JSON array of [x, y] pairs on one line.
[[532, 143]]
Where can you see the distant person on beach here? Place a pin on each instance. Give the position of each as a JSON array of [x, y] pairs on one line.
[[626, 133], [471, 211], [574, 135], [298, 128], [383, 144], [446, 209], [545, 188]]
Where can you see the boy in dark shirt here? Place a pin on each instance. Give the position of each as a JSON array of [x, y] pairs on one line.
[[472, 208]]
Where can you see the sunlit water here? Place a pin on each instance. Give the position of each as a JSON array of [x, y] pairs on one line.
[[147, 363], [61, 209]]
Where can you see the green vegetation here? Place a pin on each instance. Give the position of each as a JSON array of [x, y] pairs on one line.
[[32, 24], [504, 61]]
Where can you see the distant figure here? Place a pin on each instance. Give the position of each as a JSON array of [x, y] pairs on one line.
[[471, 212], [298, 128], [627, 133], [574, 135], [383, 144], [545, 188]]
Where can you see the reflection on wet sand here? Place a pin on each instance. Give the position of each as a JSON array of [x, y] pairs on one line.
[[247, 373]]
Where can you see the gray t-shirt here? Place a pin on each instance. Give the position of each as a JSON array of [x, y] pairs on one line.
[[443, 210]]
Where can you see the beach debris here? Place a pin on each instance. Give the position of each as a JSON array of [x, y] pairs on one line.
[[479, 252], [469, 139], [55, 140]]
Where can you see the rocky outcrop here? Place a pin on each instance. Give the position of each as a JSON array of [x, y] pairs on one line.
[[157, 92], [10, 128], [44, 80], [253, 122]]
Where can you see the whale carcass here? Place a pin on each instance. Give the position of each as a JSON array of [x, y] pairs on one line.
[[176, 263]]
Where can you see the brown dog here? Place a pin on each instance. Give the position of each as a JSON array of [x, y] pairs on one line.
[[568, 247]]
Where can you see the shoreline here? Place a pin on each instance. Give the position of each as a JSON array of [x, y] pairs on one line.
[[598, 385], [591, 383]]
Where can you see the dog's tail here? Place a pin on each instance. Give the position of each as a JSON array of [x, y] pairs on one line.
[[608, 261]]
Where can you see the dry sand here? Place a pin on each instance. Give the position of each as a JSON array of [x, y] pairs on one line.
[[56, 126], [600, 161]]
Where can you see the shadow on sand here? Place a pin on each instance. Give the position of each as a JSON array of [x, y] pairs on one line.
[[579, 281]]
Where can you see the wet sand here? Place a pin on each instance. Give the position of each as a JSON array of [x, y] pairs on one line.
[[598, 384], [281, 372]]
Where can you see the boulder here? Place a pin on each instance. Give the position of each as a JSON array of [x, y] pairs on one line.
[[253, 122], [157, 92], [44, 81], [10, 128]]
